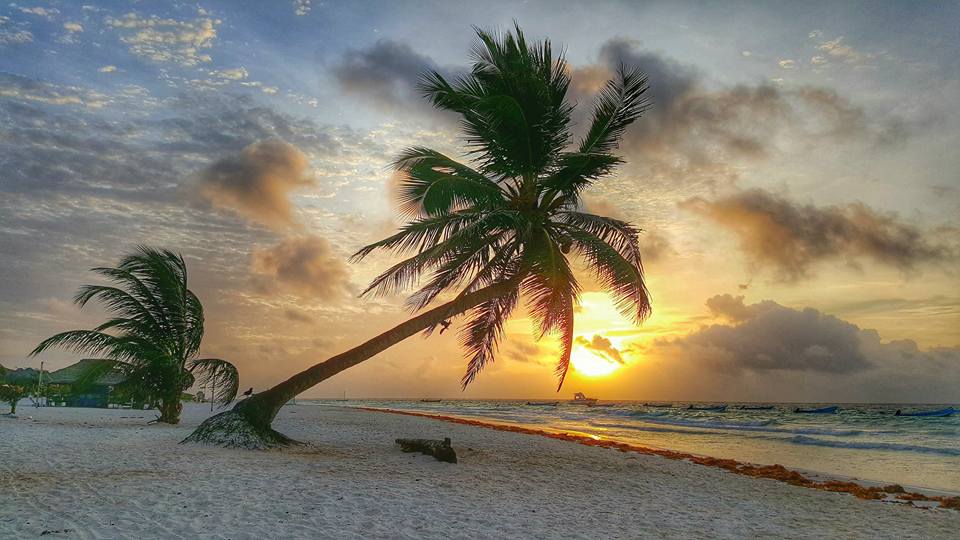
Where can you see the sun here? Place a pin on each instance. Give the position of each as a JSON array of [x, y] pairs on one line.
[[591, 364]]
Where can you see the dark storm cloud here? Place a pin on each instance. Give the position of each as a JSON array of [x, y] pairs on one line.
[[306, 266], [386, 74], [258, 181], [790, 238]]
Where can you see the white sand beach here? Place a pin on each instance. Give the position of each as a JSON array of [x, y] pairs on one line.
[[97, 473]]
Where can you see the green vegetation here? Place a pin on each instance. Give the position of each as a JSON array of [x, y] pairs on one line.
[[152, 337], [14, 387]]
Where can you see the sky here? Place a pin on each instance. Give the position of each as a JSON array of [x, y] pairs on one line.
[[797, 182]]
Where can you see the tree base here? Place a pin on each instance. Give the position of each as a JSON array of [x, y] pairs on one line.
[[232, 429]]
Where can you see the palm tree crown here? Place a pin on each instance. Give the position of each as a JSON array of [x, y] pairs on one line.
[[513, 214], [154, 331]]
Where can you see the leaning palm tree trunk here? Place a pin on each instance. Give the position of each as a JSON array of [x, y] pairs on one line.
[[248, 424]]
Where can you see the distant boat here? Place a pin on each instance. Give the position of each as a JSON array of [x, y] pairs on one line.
[[580, 399], [661, 405], [756, 407], [941, 412], [821, 410], [543, 403], [430, 400], [711, 408]]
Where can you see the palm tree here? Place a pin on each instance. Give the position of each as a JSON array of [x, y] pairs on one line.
[[153, 334], [496, 229], [14, 388]]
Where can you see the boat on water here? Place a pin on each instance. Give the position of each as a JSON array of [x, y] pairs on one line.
[[425, 400], [756, 407], [543, 403], [580, 399], [659, 405], [822, 410], [710, 408], [937, 413]]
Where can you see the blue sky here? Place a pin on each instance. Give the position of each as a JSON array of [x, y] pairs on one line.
[[802, 154]]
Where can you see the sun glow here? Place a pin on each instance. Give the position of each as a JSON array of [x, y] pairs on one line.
[[591, 364]]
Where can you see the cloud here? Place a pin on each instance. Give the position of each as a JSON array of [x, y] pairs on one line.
[[839, 50], [15, 37], [519, 350], [770, 337], [787, 64], [107, 69], [602, 347], [653, 245], [257, 181], [305, 266], [766, 350], [47, 13], [386, 74], [697, 132], [73, 27], [301, 7], [26, 89], [297, 315], [791, 238], [167, 40]]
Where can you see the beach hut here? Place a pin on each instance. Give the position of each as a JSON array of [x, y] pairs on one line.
[[66, 388]]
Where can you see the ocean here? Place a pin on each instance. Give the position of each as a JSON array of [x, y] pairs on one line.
[[866, 442]]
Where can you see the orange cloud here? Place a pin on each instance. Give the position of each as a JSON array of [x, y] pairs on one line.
[[257, 182], [305, 266]]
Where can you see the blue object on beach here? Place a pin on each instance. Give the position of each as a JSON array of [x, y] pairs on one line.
[[941, 412], [712, 408], [821, 410]]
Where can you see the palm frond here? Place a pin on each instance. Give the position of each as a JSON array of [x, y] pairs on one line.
[[420, 234], [565, 325], [78, 341], [622, 278], [218, 374], [434, 184], [619, 103], [575, 171], [470, 238], [621, 235], [482, 332]]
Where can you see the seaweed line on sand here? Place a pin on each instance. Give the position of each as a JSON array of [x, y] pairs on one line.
[[775, 472]]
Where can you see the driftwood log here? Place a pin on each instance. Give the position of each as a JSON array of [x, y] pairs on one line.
[[441, 450]]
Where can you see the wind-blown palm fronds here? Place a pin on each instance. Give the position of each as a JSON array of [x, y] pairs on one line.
[[153, 334], [512, 215]]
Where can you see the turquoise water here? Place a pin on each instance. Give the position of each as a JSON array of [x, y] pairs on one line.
[[865, 442]]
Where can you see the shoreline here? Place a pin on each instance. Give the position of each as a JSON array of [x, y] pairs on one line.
[[808, 479], [106, 473]]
